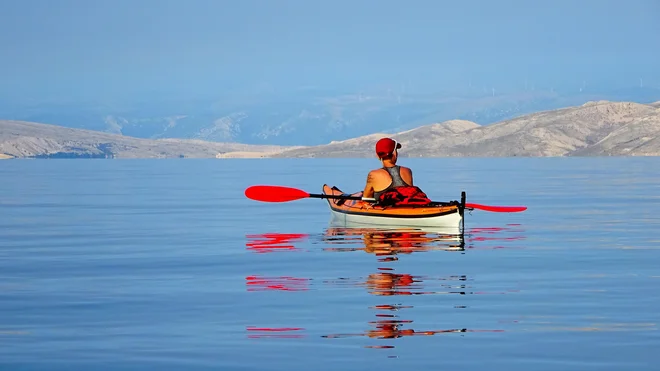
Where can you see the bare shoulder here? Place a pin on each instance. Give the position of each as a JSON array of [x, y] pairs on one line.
[[372, 174], [405, 170], [377, 176]]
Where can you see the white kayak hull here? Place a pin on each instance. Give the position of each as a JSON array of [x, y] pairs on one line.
[[450, 221]]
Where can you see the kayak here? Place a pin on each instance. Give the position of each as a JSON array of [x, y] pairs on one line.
[[352, 210], [358, 212]]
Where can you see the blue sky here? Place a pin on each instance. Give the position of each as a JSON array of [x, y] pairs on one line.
[[135, 48]]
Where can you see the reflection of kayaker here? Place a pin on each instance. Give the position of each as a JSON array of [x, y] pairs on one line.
[[388, 284], [395, 242], [391, 330]]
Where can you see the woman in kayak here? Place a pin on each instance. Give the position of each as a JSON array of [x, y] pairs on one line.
[[392, 184]]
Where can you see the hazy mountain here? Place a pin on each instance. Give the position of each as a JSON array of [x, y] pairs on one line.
[[594, 129], [599, 128], [26, 139], [307, 117]]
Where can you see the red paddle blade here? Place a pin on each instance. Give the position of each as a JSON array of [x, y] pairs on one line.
[[274, 193], [497, 209]]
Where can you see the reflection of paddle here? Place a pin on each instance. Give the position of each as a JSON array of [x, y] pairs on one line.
[[266, 193]]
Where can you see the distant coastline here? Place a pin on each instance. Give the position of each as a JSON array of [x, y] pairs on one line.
[[599, 128], [34, 140]]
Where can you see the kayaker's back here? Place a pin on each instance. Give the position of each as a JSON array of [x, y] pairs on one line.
[[393, 186], [393, 177]]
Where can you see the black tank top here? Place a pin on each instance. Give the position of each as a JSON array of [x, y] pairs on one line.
[[397, 181]]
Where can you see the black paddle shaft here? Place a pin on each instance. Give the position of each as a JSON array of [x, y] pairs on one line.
[[341, 197]]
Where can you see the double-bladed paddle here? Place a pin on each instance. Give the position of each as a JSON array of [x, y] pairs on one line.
[[266, 193]]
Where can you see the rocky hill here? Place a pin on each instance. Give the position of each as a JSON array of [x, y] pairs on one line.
[[599, 128], [33, 140], [305, 117]]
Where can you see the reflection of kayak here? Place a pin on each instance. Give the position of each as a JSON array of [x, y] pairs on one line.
[[444, 233], [391, 241], [360, 212]]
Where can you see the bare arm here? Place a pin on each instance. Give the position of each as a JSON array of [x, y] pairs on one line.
[[369, 187]]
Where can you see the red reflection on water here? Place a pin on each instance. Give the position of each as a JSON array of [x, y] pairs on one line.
[[390, 307], [276, 329], [385, 245], [283, 283], [486, 234], [497, 238], [271, 242], [274, 332], [487, 229]]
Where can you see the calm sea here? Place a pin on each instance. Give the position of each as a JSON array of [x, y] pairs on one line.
[[164, 264]]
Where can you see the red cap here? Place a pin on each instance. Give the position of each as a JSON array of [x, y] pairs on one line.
[[386, 146]]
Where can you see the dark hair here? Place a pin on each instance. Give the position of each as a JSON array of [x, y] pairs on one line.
[[387, 156]]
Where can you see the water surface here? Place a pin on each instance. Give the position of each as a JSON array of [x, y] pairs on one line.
[[146, 264]]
